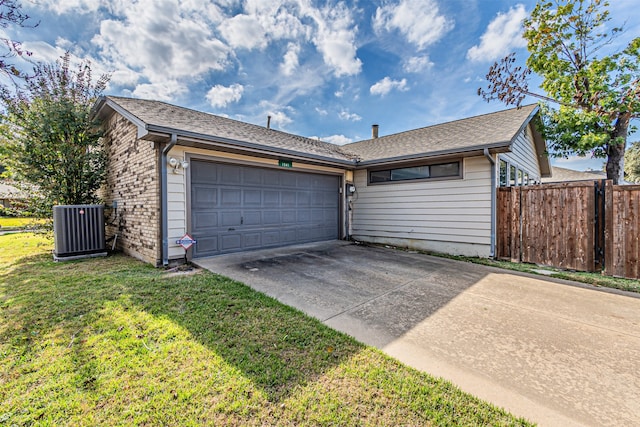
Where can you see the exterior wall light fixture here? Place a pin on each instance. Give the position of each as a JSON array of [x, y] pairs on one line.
[[177, 164]]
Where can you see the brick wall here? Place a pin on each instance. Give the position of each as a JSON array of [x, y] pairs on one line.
[[132, 181]]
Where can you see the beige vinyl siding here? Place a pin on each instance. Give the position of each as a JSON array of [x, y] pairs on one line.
[[451, 216], [176, 206], [178, 209], [523, 154]]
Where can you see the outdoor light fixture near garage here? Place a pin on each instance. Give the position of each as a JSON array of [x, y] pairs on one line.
[[177, 164]]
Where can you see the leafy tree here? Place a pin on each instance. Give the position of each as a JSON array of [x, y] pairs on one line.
[[49, 141], [594, 98], [632, 163], [11, 14]]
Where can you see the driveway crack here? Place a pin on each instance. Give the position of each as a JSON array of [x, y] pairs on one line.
[[353, 307]]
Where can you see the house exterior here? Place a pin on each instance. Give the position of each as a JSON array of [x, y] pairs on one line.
[[234, 186], [11, 196], [451, 209]]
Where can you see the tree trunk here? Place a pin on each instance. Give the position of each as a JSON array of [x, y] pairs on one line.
[[615, 157]]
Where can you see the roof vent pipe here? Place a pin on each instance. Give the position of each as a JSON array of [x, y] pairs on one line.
[[374, 131], [268, 122]]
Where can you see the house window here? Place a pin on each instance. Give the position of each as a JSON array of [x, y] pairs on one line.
[[520, 177], [526, 179], [512, 176], [503, 173], [421, 172]]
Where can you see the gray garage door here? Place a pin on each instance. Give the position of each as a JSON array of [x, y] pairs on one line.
[[236, 208]]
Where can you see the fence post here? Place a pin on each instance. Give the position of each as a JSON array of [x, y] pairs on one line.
[[515, 225], [608, 228], [599, 224]]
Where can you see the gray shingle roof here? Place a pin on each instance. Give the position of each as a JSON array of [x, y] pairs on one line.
[[564, 175], [494, 130], [161, 114], [488, 130], [8, 191]]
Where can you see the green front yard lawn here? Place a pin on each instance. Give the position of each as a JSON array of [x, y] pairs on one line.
[[112, 341], [11, 223]]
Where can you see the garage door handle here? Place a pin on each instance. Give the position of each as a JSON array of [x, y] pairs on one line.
[[241, 220], [231, 229]]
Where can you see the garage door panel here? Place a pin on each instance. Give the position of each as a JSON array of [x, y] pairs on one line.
[[304, 216], [317, 199], [271, 238], [252, 240], [271, 217], [288, 199], [229, 219], [206, 220], [204, 197], [252, 197], [303, 181], [252, 176], [230, 197], [271, 198], [288, 217], [289, 236], [252, 218], [303, 198], [230, 242], [207, 244], [230, 175], [208, 175], [237, 208], [271, 178]]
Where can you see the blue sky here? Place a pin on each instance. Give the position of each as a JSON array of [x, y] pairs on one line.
[[325, 69]]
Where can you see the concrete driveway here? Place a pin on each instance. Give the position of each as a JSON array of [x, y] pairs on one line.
[[554, 352]]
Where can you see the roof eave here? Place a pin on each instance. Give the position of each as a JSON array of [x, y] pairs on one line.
[[99, 111], [478, 150], [538, 141], [541, 151], [187, 137]]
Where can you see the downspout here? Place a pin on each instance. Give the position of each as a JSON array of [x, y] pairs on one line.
[[163, 198], [493, 201]]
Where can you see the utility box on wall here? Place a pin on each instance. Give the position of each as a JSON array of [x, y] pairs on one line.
[[78, 231]]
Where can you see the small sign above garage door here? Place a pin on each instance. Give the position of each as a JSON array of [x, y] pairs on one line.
[[236, 208]]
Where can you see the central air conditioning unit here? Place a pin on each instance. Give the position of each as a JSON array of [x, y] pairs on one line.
[[78, 231]]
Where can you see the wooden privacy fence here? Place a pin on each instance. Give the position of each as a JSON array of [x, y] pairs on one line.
[[585, 225]]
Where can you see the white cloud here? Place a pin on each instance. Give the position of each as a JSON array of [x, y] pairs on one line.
[[337, 139], [417, 64], [331, 29], [221, 96], [290, 60], [166, 90], [76, 6], [244, 31], [44, 52], [321, 111], [386, 85], [419, 21], [335, 39], [346, 115], [503, 34], [164, 42]]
